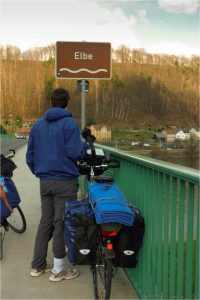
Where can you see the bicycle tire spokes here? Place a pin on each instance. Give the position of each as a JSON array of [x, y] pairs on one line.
[[104, 280], [16, 221], [102, 273], [101, 282], [3, 228]]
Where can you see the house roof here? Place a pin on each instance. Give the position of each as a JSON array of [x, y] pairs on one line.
[[170, 131], [180, 131], [24, 130], [195, 130]]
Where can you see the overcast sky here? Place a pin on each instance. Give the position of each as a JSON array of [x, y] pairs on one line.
[[158, 26]]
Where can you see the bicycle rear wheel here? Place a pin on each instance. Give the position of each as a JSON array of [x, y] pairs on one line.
[[102, 274], [1, 245], [17, 221]]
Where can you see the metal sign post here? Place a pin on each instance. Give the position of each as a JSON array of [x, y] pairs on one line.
[[82, 103], [82, 178], [83, 60]]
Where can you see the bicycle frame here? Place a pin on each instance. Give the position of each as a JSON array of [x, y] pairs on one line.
[[102, 266]]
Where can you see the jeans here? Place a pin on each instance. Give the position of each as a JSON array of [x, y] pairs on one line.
[[54, 194]]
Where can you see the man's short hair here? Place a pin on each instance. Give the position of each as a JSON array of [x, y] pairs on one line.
[[60, 98]]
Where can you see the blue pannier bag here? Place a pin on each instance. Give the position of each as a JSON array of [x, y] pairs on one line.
[[79, 231], [12, 195]]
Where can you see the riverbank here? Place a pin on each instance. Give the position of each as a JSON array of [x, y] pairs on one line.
[[176, 156]]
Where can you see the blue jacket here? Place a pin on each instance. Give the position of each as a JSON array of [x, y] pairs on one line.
[[55, 145]]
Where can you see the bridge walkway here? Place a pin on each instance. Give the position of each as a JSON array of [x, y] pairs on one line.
[[16, 283]]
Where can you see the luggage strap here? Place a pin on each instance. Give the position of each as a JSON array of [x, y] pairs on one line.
[[106, 198], [5, 199]]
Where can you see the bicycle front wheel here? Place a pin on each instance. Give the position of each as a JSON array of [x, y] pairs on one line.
[[17, 221], [102, 275]]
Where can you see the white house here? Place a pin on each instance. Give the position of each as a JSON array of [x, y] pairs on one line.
[[195, 133], [181, 135]]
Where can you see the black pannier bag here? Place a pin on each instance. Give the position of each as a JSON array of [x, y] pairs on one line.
[[80, 232], [129, 241], [7, 166]]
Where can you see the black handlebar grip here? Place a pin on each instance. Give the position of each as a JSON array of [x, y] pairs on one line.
[[86, 132], [113, 163], [90, 142]]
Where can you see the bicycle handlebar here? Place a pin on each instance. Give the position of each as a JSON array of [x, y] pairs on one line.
[[91, 145], [96, 163], [7, 165], [113, 163], [10, 155]]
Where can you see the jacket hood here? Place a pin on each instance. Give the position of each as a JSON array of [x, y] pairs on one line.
[[57, 113]]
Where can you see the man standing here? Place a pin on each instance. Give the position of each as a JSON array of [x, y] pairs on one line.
[[54, 147]]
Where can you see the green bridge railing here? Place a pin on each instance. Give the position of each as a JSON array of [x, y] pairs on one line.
[[168, 197]]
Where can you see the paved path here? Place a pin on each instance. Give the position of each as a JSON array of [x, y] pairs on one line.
[[16, 282], [10, 143]]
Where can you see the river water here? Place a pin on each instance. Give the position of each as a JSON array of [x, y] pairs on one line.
[[185, 161], [175, 157], [191, 162]]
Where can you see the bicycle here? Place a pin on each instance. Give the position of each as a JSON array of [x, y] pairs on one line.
[[103, 267], [15, 219]]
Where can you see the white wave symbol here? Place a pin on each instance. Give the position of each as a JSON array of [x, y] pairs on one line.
[[82, 69]]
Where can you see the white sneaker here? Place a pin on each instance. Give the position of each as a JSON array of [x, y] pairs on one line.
[[36, 273], [65, 274]]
